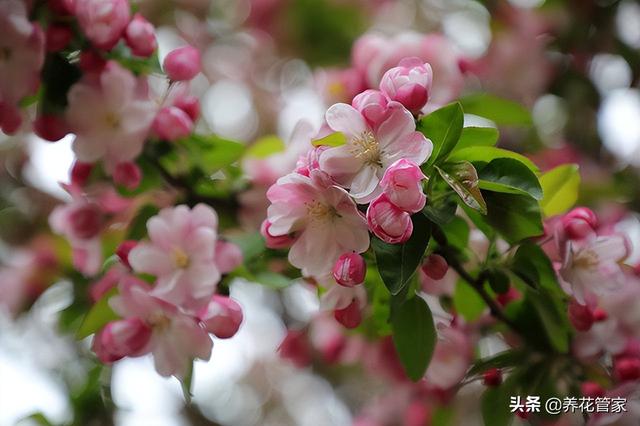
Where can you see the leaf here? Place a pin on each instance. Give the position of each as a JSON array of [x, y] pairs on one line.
[[511, 176], [467, 301], [457, 233], [211, 153], [533, 266], [334, 139], [138, 226], [500, 111], [265, 146], [504, 359], [560, 189], [552, 318], [486, 154], [495, 406], [398, 262], [98, 316], [443, 126], [414, 336], [498, 281], [514, 216], [186, 383], [477, 136], [463, 178], [251, 244], [273, 280]]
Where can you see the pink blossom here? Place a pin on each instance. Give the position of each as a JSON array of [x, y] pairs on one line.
[[388, 222], [172, 124], [409, 83], [181, 253], [360, 164], [402, 183], [50, 127], [435, 267], [58, 37], [296, 348], [602, 337], [228, 256], [372, 104], [350, 269], [279, 242], [79, 173], [579, 223], [127, 174], [110, 119], [182, 63], [324, 218], [222, 316], [123, 251], [103, 21], [351, 316], [122, 338], [339, 297], [189, 104], [452, 357], [140, 36]]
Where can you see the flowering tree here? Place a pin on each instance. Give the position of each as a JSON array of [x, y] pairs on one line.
[[445, 253]]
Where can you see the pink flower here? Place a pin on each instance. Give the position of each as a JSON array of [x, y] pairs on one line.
[[435, 267], [50, 127], [103, 21], [222, 316], [409, 83], [140, 36], [402, 183], [110, 119], [189, 104], [602, 337], [273, 242], [452, 357], [361, 162], [127, 174], [58, 37], [152, 325], [594, 266], [351, 316], [372, 104], [181, 254], [228, 256], [182, 63], [350, 270], [324, 218], [388, 222], [172, 124], [579, 223]]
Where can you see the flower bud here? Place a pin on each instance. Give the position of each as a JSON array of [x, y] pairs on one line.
[[189, 104], [511, 295], [409, 83], [350, 270], [127, 174], [349, 317], [172, 124], [58, 37], [123, 251], [85, 221], [600, 315], [492, 377], [627, 369], [579, 223], [402, 184], [580, 316], [388, 222], [80, 172], [435, 267], [182, 63], [275, 242], [140, 36], [10, 118], [91, 61], [121, 338], [222, 316], [103, 21], [592, 390], [372, 104], [295, 347], [49, 127]]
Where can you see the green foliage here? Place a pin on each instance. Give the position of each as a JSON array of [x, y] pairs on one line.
[[477, 136], [514, 216], [58, 75], [414, 336], [212, 153], [98, 316], [463, 179], [510, 176], [334, 139], [495, 405], [265, 147], [138, 226], [443, 127], [498, 110], [398, 262], [467, 301], [560, 188], [486, 154]]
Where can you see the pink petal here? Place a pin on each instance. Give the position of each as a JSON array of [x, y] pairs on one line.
[[346, 119]]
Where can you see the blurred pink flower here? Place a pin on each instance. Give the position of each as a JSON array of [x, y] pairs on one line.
[[103, 21]]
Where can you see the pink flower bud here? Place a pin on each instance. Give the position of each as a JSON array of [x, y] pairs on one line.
[[51, 128], [511, 295], [85, 221], [10, 118], [402, 184], [579, 223], [580, 316], [296, 348], [91, 61], [127, 174], [372, 104], [182, 63], [349, 317], [61, 7], [228, 256], [417, 414], [492, 377], [172, 123], [592, 390], [627, 369], [58, 37], [80, 172], [435, 267], [409, 83], [388, 222], [103, 21], [121, 338], [190, 105], [123, 251], [275, 242], [140, 36], [222, 316], [350, 270], [600, 315]]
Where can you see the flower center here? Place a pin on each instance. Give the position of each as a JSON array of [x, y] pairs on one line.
[[5, 54], [113, 120], [321, 212], [180, 258], [586, 259], [366, 148], [159, 321]]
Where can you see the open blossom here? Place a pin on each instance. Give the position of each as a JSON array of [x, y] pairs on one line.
[[103, 21], [324, 218], [110, 117], [409, 83], [181, 253], [22, 47], [360, 163], [452, 357]]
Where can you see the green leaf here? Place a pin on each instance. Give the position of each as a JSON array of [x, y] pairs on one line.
[[532, 265], [467, 301], [138, 226], [443, 126], [212, 153], [398, 262], [414, 336], [552, 318], [463, 179], [477, 136], [514, 216], [510, 176], [266, 146], [273, 280], [457, 233], [560, 188], [495, 406], [498, 281], [98, 316], [504, 359], [334, 139], [486, 154], [500, 111], [251, 245], [186, 383]]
